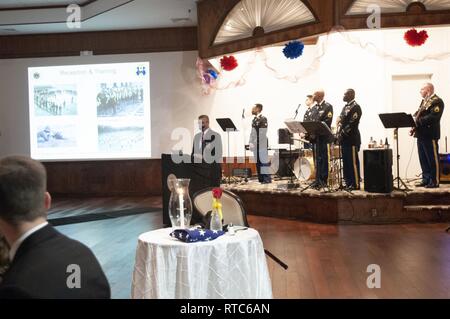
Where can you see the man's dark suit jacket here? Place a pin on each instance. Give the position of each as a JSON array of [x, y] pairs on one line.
[[210, 149], [40, 269], [207, 169]]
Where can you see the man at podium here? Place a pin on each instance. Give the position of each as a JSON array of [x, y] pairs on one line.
[[207, 147], [259, 144]]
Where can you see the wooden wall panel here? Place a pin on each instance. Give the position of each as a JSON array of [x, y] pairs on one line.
[[104, 178], [416, 15], [111, 178], [106, 42]]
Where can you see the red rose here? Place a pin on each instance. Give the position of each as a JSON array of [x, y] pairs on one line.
[[217, 193]]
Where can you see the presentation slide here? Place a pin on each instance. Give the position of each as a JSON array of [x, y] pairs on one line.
[[90, 112]]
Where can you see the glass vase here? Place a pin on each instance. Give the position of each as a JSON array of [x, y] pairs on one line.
[[180, 204], [216, 221]]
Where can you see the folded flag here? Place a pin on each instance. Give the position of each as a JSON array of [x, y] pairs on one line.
[[196, 235]]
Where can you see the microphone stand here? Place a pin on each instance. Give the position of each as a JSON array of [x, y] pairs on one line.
[[245, 148], [340, 168], [291, 184], [446, 152], [296, 111]]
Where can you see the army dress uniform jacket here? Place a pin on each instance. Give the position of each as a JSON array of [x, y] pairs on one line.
[[308, 115], [428, 122], [321, 113], [349, 126], [258, 137], [324, 113]]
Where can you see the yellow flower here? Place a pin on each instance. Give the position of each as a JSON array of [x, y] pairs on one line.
[[217, 205]]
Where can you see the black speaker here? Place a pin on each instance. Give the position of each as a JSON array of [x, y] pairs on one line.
[[378, 171], [242, 172], [286, 161], [444, 167], [284, 136]]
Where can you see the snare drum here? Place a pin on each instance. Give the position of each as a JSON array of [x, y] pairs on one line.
[[304, 169]]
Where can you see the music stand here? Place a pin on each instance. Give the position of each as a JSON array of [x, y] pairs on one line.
[[320, 130], [396, 121], [227, 126]]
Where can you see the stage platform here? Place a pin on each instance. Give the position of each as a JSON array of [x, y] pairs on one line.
[[358, 207]]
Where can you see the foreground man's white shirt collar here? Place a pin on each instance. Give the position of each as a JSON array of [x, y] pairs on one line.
[[18, 242]]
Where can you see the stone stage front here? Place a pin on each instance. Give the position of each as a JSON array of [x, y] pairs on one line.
[[358, 207]]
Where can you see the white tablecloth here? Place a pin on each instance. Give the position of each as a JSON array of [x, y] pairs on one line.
[[230, 267]]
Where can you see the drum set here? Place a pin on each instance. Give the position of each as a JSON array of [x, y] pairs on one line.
[[300, 162], [304, 168]]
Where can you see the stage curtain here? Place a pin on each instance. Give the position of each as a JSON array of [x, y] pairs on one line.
[[270, 14]]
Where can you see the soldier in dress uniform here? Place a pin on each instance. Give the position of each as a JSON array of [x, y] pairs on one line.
[[259, 144], [322, 112], [308, 116], [428, 133], [349, 138], [309, 112]]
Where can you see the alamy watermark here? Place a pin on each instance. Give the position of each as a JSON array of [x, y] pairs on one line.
[[374, 279], [74, 279], [374, 20], [74, 18]]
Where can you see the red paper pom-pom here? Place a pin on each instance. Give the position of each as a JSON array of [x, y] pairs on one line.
[[228, 63], [416, 39], [217, 193]]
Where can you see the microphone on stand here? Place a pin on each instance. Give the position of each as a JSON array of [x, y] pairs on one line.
[[296, 111]]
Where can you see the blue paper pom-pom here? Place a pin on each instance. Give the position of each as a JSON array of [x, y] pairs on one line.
[[293, 49], [213, 73]]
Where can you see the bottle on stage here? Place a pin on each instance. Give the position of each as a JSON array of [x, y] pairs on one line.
[[371, 142]]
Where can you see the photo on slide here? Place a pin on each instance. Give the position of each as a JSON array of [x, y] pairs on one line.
[[120, 99], [56, 136], [116, 138], [60, 100]]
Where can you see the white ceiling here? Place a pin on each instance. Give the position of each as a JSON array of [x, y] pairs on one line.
[[100, 15]]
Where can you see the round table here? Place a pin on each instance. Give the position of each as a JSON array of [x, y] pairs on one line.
[[230, 267]]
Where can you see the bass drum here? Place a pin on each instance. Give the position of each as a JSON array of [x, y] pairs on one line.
[[304, 169]]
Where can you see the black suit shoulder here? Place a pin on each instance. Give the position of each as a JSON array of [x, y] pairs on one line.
[[40, 268], [13, 292]]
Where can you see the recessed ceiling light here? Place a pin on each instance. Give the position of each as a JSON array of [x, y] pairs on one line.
[[178, 20]]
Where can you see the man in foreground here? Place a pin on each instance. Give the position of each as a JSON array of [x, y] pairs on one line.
[[44, 263]]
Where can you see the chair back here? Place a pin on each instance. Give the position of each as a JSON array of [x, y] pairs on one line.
[[232, 207]]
